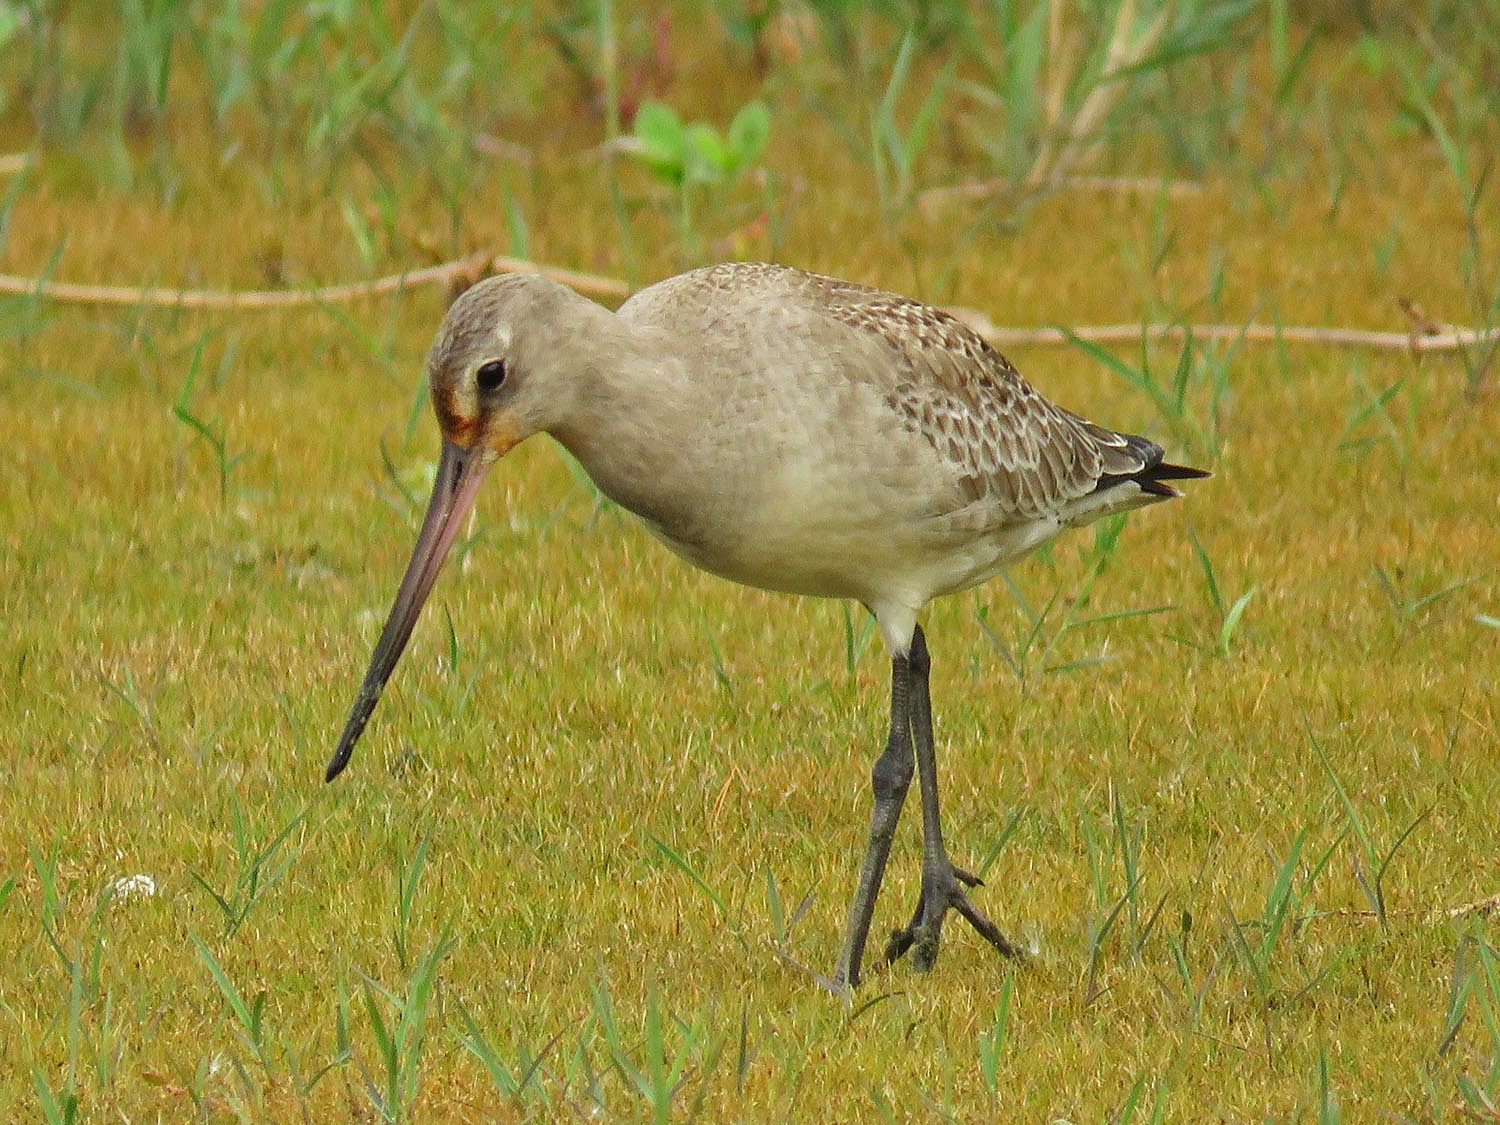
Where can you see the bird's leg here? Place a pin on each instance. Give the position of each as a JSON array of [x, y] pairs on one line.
[[890, 778], [942, 883]]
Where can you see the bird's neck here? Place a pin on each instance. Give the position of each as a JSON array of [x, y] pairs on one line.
[[632, 406]]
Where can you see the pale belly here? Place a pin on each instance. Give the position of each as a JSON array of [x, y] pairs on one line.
[[837, 555]]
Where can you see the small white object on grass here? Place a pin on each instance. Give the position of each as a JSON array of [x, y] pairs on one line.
[[134, 886]]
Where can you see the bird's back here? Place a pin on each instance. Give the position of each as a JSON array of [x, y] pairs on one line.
[[865, 431]]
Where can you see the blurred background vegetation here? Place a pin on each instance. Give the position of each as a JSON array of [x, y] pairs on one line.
[[374, 105]]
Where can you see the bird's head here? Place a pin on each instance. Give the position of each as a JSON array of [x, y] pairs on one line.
[[490, 371], [494, 365]]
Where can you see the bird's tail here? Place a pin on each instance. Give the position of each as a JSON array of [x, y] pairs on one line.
[[1153, 472], [1153, 480]]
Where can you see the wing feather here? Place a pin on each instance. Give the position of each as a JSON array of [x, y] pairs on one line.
[[1010, 448]]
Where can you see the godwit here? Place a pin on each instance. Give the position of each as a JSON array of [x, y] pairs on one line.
[[788, 431]]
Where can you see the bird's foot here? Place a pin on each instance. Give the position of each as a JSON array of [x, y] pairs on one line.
[[943, 890]]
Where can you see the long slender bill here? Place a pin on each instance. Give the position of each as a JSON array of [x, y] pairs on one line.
[[459, 474]]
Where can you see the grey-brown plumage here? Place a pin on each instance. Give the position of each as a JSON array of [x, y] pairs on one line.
[[789, 431], [1009, 445], [857, 443]]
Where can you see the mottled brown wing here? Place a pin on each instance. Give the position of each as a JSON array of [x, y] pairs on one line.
[[1010, 447]]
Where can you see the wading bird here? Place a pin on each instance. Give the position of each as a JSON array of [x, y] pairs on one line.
[[793, 432]]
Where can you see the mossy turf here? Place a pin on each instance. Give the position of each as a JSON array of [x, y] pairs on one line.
[[607, 798]]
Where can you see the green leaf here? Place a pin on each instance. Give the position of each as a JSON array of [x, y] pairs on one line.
[[242, 1011], [1025, 52], [686, 868], [479, 1047], [663, 143], [748, 134], [383, 1039], [1216, 29], [10, 23], [1232, 619], [1370, 53], [705, 159]]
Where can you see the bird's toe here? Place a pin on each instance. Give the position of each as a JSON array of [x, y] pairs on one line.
[[923, 934]]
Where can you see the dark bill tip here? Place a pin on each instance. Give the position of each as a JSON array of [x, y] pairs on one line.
[[459, 474], [359, 715]]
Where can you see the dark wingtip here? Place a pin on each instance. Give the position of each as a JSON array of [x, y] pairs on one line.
[[1153, 487], [1166, 471], [1153, 477]]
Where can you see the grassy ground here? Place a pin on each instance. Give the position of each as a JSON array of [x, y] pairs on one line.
[[607, 795]]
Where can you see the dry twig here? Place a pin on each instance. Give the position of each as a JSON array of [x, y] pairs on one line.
[[1133, 185], [252, 299], [499, 147], [1451, 340], [1484, 908], [459, 274]]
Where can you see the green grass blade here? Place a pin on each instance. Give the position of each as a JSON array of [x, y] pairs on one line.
[[687, 869]]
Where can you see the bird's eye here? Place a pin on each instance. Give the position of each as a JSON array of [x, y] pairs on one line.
[[490, 375]]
